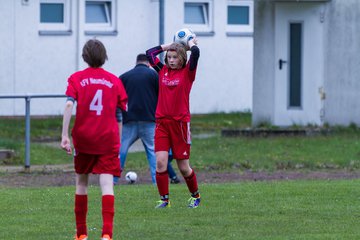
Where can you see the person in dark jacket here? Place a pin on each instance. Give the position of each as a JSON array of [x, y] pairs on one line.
[[142, 85]]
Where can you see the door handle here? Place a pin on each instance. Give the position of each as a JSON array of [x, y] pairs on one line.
[[281, 62]]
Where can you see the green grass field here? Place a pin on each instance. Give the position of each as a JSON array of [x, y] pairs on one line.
[[247, 210], [340, 149], [303, 209]]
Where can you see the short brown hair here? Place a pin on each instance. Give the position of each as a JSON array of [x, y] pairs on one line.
[[180, 50], [94, 53]]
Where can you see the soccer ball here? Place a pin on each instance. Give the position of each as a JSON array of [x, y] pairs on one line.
[[183, 36], [131, 177]]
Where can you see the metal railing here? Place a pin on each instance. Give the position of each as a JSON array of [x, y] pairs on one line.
[[28, 98]]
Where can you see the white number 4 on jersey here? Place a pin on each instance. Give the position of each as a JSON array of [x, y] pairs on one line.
[[96, 102]]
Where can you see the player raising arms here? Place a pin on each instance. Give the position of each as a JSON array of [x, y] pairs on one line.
[[95, 133], [173, 115]]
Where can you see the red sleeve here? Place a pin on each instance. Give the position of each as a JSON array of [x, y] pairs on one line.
[[71, 89], [122, 97]]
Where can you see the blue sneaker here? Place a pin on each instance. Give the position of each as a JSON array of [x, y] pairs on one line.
[[194, 202], [163, 204]]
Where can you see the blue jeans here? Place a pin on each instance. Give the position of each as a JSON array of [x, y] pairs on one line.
[[131, 132]]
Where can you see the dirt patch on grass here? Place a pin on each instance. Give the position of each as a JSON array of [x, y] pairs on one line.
[[63, 175]]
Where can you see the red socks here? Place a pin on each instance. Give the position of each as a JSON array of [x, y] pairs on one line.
[[108, 210], [192, 184], [81, 208], [162, 183]]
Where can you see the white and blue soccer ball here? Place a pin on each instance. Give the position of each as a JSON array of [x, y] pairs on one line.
[[131, 177], [183, 36]]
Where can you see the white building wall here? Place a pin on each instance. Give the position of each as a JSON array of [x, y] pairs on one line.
[[264, 71], [7, 52], [342, 86], [38, 64], [341, 61], [34, 64]]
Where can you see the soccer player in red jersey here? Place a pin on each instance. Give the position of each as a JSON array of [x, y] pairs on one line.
[[173, 115], [95, 133]]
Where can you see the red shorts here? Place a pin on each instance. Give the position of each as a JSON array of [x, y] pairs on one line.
[[97, 164], [173, 134]]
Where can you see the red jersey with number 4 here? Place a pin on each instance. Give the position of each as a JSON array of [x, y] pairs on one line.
[[98, 93], [174, 93]]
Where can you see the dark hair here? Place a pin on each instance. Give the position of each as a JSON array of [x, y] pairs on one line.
[[142, 58], [94, 53], [181, 52]]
